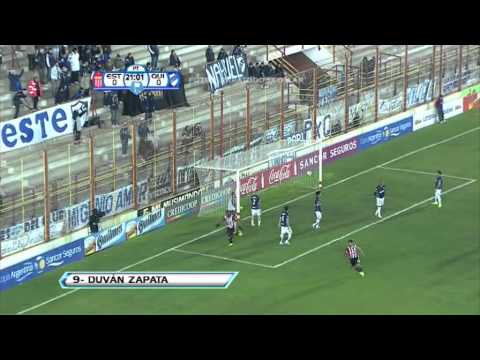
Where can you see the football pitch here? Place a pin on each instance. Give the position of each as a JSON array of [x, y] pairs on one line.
[[419, 259]]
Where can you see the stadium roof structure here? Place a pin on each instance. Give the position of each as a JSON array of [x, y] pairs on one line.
[[255, 155]]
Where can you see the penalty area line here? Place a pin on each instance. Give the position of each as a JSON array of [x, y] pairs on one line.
[[224, 258]]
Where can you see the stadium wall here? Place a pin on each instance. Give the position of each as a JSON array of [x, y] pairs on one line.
[[28, 264]]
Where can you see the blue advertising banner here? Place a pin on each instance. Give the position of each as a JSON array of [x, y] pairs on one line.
[[386, 133], [35, 266]]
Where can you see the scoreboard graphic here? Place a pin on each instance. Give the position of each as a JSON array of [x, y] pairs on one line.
[[136, 79]]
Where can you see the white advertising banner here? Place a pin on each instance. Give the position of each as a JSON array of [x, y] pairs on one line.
[[43, 125]]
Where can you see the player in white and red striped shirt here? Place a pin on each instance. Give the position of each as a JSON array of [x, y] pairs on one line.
[[352, 252]]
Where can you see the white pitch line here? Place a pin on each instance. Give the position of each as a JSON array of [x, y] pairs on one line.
[[368, 226], [270, 209], [425, 173], [224, 258]]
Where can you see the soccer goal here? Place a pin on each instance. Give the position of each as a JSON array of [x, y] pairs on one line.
[[225, 180]]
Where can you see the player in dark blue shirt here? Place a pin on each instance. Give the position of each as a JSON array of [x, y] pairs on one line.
[[285, 229], [317, 210], [380, 198], [256, 211], [438, 189]]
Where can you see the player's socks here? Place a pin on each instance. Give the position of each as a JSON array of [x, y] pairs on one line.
[[287, 242], [259, 221], [253, 224]]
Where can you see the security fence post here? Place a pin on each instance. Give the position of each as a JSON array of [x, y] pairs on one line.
[[221, 123], [91, 172], [377, 63], [405, 79], [134, 166], [174, 151], [46, 198]]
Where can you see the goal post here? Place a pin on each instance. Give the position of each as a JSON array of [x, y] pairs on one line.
[[225, 180]]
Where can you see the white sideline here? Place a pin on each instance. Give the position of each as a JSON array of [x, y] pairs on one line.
[[425, 173], [368, 226], [270, 209], [224, 258]]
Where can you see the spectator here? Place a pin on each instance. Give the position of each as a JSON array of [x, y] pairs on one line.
[[114, 105], [15, 82], [42, 65], [56, 52], [237, 50], [144, 146], [124, 137], [174, 60], [63, 91], [63, 62], [63, 50], [55, 76], [209, 54], [118, 63], [439, 108], [74, 60], [35, 91], [222, 54], [143, 130], [153, 50], [31, 57], [251, 70], [85, 82], [19, 99], [49, 62], [129, 60], [106, 50]]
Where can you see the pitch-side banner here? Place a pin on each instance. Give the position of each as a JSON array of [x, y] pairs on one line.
[[43, 125], [35, 266], [185, 204], [27, 237], [107, 238], [148, 280], [223, 72]]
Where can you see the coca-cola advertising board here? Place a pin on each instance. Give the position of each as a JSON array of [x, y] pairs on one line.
[[251, 184], [279, 174]]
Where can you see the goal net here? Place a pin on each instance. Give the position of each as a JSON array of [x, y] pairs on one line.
[[225, 180]]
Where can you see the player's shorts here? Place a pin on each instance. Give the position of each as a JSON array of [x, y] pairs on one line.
[[354, 261], [438, 192], [318, 215], [256, 212], [230, 231], [380, 201], [285, 230]]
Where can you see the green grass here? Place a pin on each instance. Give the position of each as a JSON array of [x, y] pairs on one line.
[[422, 261]]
